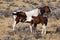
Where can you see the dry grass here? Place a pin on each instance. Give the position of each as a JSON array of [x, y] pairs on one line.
[[5, 23], [51, 27]]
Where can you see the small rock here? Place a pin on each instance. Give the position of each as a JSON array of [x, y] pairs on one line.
[[8, 38], [1, 2], [37, 35], [13, 4], [24, 29], [34, 4], [10, 26], [58, 29], [27, 38], [8, 0], [0, 39], [11, 32]]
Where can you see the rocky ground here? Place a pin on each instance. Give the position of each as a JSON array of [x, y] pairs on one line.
[[22, 31]]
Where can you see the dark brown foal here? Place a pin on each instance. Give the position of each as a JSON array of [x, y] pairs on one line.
[[39, 19]]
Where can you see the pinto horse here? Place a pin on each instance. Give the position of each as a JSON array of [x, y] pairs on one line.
[[33, 17]]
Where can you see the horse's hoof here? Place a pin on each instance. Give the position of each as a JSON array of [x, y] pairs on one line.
[[41, 32], [13, 30]]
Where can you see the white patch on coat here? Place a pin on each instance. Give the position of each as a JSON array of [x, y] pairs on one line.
[[31, 13], [31, 29]]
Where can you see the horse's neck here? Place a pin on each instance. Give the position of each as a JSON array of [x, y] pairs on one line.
[[41, 9]]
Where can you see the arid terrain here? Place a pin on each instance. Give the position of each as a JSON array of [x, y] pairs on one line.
[[22, 30]]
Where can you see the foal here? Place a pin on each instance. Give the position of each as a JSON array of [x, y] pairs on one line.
[[37, 20]]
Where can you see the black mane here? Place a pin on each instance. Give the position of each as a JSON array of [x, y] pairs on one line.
[[41, 10]]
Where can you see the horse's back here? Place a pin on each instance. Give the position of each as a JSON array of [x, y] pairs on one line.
[[31, 13]]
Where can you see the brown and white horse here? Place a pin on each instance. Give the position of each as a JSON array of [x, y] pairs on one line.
[[33, 17]]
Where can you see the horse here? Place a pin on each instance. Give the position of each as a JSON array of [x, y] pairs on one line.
[[37, 20], [33, 17]]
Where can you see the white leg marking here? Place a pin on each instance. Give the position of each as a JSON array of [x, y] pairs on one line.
[[14, 22], [31, 29], [14, 25], [43, 29]]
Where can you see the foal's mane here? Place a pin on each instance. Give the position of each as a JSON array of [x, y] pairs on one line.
[[42, 9]]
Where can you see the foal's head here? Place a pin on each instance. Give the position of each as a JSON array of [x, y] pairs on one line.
[[47, 9]]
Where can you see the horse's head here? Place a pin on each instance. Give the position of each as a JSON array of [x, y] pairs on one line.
[[47, 9]]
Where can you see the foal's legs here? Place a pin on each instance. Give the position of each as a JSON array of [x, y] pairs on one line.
[[31, 27], [43, 29], [34, 27], [44, 26]]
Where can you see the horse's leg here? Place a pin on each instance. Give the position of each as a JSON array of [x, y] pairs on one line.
[[31, 25], [43, 29], [44, 26], [34, 27], [46, 20], [14, 22]]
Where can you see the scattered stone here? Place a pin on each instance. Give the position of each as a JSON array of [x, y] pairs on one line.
[[8, 38], [11, 32], [8, 0], [24, 29], [1, 2], [37, 35], [34, 4], [0, 39], [19, 39], [10, 26], [58, 29], [13, 4], [53, 25], [27, 38]]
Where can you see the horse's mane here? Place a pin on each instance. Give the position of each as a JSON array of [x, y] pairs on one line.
[[41, 9]]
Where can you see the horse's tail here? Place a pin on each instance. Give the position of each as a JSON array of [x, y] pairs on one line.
[[14, 13]]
